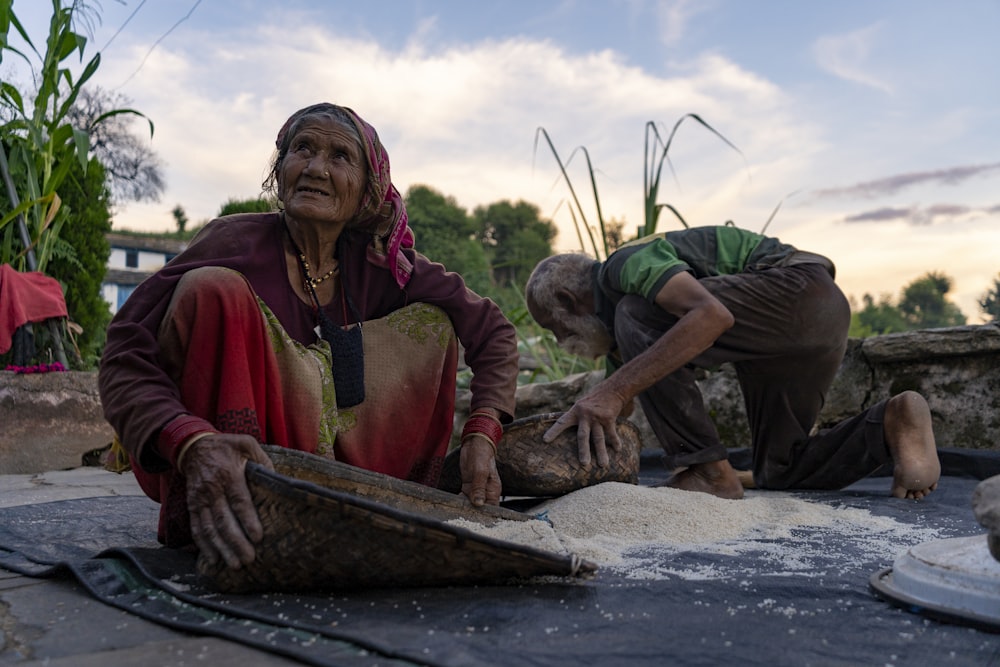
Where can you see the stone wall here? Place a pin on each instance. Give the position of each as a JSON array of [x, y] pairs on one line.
[[49, 421], [956, 369]]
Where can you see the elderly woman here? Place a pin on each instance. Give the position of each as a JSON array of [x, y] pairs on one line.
[[318, 328]]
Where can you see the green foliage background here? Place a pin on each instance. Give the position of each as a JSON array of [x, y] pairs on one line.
[[922, 304], [989, 302], [445, 233], [81, 275]]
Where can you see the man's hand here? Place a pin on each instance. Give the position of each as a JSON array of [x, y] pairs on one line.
[[480, 479], [224, 522], [701, 320], [594, 416]]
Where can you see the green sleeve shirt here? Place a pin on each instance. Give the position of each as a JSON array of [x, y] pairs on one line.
[[643, 266]]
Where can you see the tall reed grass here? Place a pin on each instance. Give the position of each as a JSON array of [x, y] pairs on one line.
[[542, 359]]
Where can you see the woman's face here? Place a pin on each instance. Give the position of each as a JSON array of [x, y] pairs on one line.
[[322, 178]]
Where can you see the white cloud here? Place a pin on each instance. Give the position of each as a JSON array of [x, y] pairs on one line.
[[461, 119], [848, 57], [676, 15]]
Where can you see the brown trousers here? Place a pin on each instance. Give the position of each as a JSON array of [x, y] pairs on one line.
[[787, 344]]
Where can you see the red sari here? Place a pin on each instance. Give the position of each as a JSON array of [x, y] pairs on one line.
[[238, 369]]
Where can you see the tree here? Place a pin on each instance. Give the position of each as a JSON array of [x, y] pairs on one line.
[[924, 306], [876, 318], [134, 171], [614, 234], [180, 218], [445, 233], [990, 301], [81, 274], [515, 238]]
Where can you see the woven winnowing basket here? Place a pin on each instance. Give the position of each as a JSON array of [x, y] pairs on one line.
[[331, 526], [528, 466]]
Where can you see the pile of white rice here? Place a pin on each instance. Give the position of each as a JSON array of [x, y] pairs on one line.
[[635, 530]]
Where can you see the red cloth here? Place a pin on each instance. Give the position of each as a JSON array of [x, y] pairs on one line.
[[26, 297], [235, 377], [139, 397], [229, 379]]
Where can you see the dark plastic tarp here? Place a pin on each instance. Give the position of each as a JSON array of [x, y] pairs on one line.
[[749, 606]]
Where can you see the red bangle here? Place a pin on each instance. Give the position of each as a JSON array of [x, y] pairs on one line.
[[485, 425], [489, 415]]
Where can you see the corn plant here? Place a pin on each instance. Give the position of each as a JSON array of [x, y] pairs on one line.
[[39, 143]]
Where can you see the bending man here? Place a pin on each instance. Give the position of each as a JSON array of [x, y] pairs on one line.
[[663, 305]]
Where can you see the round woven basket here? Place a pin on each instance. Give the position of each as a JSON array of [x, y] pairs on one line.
[[528, 466], [328, 526]]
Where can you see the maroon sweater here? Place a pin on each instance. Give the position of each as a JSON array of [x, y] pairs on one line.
[[139, 398]]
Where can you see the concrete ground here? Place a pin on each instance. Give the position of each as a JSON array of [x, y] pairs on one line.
[[56, 623]]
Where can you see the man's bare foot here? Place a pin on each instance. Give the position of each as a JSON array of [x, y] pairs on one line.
[[717, 478], [910, 438]]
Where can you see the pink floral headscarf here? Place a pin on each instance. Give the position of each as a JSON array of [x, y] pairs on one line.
[[382, 212]]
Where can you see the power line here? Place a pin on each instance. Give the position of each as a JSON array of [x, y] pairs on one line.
[[157, 42], [122, 27]]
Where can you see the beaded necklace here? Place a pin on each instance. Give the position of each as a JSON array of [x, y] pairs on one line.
[[308, 281]]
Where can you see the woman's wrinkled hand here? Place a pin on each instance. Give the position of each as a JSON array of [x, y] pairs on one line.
[[480, 479], [224, 521]]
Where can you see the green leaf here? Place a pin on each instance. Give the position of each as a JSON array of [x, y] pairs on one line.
[[6, 11], [653, 166], [19, 210], [569, 183], [82, 140], [117, 112], [43, 147], [12, 97]]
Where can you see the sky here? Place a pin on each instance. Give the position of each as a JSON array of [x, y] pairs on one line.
[[871, 126]]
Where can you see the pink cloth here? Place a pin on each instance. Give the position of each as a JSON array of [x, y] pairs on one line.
[[26, 297]]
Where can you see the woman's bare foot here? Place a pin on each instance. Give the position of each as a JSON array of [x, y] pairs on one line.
[[910, 438], [717, 478]]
